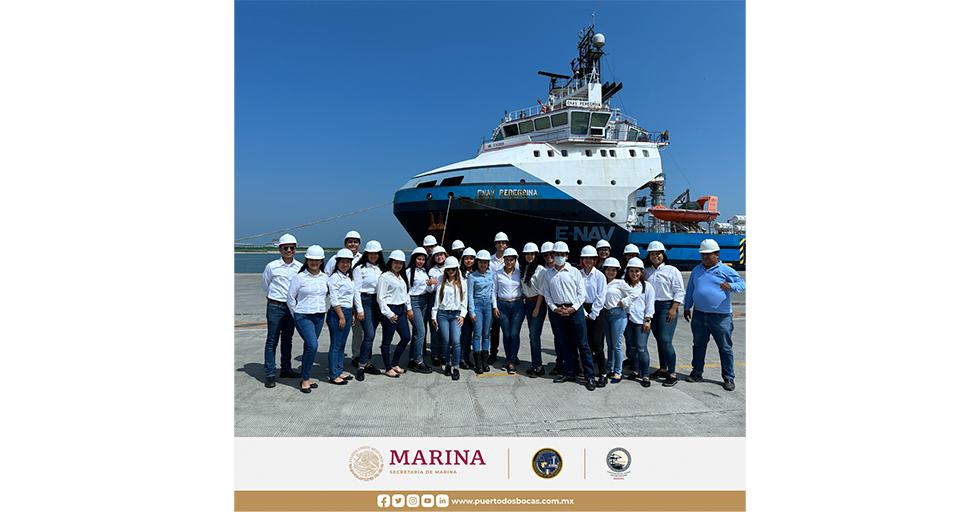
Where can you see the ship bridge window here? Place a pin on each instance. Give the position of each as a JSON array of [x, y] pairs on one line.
[[559, 119], [599, 119], [580, 123], [526, 126], [633, 134], [646, 153], [510, 130], [455, 180], [542, 123], [498, 135], [426, 184]]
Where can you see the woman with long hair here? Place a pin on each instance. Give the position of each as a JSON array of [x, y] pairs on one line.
[[340, 317], [595, 315], [449, 312], [366, 274], [418, 295], [507, 308], [479, 297], [393, 302], [467, 265], [638, 327], [437, 263], [532, 273], [619, 297], [668, 294], [307, 301]]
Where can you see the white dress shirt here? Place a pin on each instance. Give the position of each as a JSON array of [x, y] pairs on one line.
[[276, 278], [534, 289], [392, 290], [666, 281], [452, 299], [564, 286], [307, 294], [418, 286], [332, 263], [618, 291], [643, 307], [507, 287], [366, 278], [436, 273], [595, 291], [342, 291]]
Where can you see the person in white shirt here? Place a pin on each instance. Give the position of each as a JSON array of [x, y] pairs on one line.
[[340, 317], [638, 327], [619, 297], [629, 252], [275, 284], [595, 317], [467, 265], [564, 292], [394, 304], [352, 242], [437, 262], [532, 272], [548, 257], [507, 306], [307, 300], [418, 293], [449, 313], [366, 274], [603, 248], [668, 290], [457, 249], [501, 243]]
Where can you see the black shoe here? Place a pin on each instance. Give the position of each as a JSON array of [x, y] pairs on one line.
[[670, 381], [420, 367], [486, 362], [633, 376], [360, 374], [539, 372], [341, 383], [438, 361], [492, 359], [590, 384], [694, 377], [307, 390], [449, 370], [564, 378], [659, 374], [270, 382], [372, 370], [455, 374], [601, 382], [557, 370], [729, 384], [627, 362], [511, 370], [464, 364], [645, 383], [289, 373], [411, 364]]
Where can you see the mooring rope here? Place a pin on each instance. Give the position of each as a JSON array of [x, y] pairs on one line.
[[312, 223]]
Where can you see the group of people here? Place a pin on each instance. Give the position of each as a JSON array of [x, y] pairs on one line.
[[466, 300]]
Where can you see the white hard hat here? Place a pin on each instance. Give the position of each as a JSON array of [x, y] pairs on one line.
[[345, 253], [635, 262], [530, 247], [589, 252], [500, 237], [287, 239], [429, 240], [656, 246], [560, 247], [452, 262], [510, 251], [547, 247], [352, 234], [611, 262], [458, 244], [397, 255], [419, 250], [437, 249], [631, 248], [709, 245], [469, 251], [602, 243], [483, 255], [373, 246], [315, 252]]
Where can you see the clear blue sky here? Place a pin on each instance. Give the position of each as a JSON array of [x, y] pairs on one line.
[[338, 104]]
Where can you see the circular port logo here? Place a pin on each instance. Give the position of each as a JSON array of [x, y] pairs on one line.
[[546, 463]]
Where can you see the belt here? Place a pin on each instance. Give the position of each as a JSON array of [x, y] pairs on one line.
[[368, 294], [275, 302], [507, 300], [588, 307], [532, 298], [563, 305], [705, 313]]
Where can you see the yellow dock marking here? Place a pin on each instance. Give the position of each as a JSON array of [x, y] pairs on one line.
[[250, 325]]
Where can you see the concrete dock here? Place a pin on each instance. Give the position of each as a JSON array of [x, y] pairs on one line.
[[491, 404]]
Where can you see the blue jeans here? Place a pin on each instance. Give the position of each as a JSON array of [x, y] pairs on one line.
[[466, 339], [663, 332], [309, 327], [559, 348], [338, 340], [570, 334], [534, 326], [435, 340], [280, 330], [449, 328], [616, 320], [511, 318], [483, 310], [388, 333], [636, 348], [419, 309], [372, 316], [720, 327]]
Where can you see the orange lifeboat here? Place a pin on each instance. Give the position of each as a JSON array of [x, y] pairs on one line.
[[708, 211]]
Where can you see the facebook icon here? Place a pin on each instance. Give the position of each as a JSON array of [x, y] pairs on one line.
[[384, 500]]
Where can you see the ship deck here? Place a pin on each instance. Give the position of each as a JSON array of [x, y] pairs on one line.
[[494, 404]]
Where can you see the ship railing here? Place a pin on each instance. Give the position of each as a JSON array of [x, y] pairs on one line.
[[522, 113]]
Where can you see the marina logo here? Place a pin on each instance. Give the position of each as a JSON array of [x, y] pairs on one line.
[[546, 463], [437, 458], [366, 463], [618, 460]]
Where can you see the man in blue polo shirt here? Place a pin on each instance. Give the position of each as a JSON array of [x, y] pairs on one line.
[[709, 293]]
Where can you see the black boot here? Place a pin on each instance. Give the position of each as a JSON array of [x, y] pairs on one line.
[[478, 365], [486, 361]]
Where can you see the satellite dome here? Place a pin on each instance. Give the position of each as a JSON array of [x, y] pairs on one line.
[[599, 40]]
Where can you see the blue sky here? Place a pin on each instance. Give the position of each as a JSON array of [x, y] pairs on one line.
[[338, 104]]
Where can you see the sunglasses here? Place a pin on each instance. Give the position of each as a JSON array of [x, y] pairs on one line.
[[287, 248]]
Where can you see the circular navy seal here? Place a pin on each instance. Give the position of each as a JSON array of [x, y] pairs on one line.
[[546, 463], [618, 459]]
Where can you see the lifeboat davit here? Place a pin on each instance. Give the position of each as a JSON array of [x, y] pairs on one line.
[[707, 213]]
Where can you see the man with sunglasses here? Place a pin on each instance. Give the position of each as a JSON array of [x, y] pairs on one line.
[[275, 285], [564, 293]]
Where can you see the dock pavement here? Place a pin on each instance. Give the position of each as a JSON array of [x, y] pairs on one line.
[[494, 404]]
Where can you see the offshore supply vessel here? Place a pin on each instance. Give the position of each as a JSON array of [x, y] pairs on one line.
[[572, 169]]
